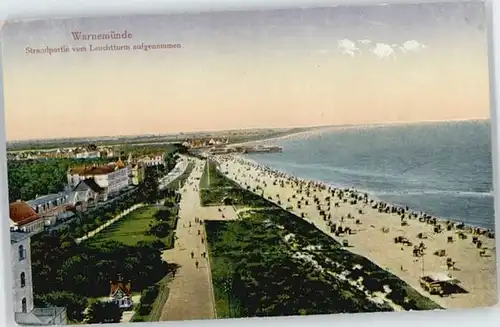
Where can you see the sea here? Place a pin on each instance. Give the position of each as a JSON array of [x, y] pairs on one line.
[[443, 169]]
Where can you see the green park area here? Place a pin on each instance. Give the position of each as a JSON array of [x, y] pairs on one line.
[[141, 225], [273, 263]]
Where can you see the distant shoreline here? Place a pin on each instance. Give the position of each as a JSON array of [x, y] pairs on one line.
[[131, 140]]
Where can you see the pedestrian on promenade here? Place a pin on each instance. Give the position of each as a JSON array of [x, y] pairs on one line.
[[202, 240], [204, 254], [192, 254], [189, 224], [199, 232], [196, 264]]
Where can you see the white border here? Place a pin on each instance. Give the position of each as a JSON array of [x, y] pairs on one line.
[[14, 9]]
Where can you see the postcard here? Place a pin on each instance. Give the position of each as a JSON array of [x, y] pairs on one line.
[[249, 163]]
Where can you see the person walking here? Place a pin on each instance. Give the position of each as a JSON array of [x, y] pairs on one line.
[[196, 264], [192, 255]]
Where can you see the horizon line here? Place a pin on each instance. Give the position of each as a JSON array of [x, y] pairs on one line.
[[247, 129]]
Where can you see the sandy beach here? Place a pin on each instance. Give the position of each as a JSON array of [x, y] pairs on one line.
[[408, 244]]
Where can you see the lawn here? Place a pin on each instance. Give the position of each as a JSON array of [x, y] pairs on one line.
[[132, 229]]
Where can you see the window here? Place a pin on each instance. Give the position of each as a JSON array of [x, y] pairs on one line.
[[22, 253], [24, 306], [23, 279]]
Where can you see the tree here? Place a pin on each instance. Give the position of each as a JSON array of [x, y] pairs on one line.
[[149, 187], [160, 229], [104, 312]]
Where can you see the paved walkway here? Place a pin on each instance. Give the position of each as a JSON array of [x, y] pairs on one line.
[[191, 293]]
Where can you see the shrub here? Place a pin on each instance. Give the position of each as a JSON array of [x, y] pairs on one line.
[[160, 229]]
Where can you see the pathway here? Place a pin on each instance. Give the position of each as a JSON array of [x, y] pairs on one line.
[[191, 293]]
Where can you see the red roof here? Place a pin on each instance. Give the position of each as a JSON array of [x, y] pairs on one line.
[[92, 170], [115, 287], [21, 213]]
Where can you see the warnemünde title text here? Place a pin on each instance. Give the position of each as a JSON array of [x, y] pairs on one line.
[[100, 46]]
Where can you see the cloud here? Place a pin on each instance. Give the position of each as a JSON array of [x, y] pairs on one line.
[[348, 47], [412, 46], [379, 49], [383, 50]]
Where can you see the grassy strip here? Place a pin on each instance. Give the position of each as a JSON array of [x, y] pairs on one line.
[[212, 178], [160, 300], [243, 248], [256, 274], [310, 240], [222, 190], [151, 311]]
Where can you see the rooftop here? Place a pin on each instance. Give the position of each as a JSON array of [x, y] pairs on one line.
[[22, 213], [45, 199], [92, 170], [86, 184]]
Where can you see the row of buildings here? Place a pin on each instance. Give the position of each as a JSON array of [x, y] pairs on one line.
[[83, 152], [86, 186]]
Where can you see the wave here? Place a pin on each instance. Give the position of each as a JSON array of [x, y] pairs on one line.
[[345, 171], [433, 192]]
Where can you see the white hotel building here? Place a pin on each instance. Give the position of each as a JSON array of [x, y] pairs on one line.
[[112, 178]]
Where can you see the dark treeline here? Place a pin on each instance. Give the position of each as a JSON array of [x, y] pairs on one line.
[[31, 178]]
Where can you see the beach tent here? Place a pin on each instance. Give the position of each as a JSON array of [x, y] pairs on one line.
[[443, 278]]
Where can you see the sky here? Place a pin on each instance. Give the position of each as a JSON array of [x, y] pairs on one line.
[[253, 69]]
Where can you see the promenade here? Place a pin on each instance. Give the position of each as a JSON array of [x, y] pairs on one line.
[[191, 293]]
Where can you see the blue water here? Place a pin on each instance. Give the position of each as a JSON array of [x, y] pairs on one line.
[[443, 169]]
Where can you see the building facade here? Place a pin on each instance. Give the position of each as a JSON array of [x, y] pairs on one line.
[[137, 174], [50, 207], [112, 177], [22, 287], [88, 155], [86, 193], [154, 160]]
